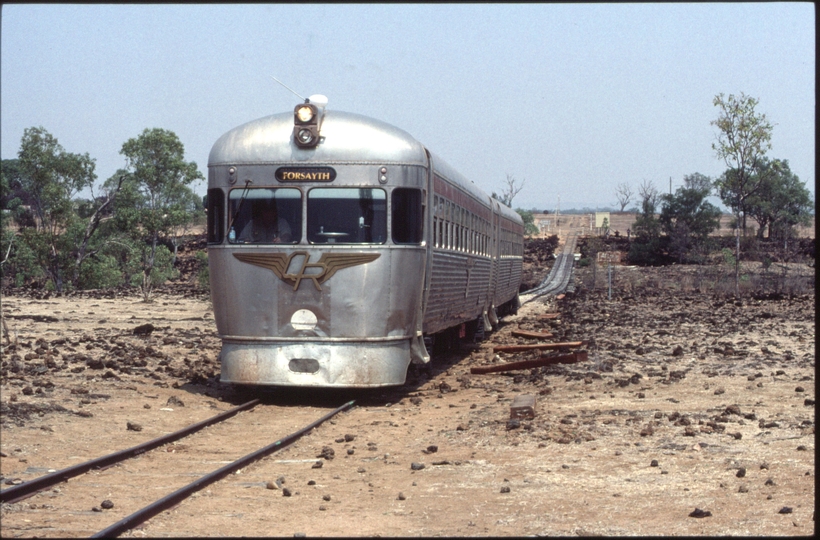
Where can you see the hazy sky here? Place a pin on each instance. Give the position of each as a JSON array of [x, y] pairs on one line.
[[574, 99]]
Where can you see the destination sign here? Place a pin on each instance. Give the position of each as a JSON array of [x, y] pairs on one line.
[[306, 174]]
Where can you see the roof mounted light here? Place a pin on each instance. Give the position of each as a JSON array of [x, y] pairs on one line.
[[306, 119], [306, 125]]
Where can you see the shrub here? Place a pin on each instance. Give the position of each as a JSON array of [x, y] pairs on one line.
[[203, 277], [100, 272]]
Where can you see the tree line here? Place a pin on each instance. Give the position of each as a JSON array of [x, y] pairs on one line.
[[753, 185], [126, 232]]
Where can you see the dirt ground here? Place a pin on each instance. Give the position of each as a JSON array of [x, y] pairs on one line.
[[689, 400]]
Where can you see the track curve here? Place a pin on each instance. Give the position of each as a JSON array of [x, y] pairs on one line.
[[558, 279]]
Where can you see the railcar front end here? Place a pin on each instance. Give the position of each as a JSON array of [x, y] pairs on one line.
[[316, 254]]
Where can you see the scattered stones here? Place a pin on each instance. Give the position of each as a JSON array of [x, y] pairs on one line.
[[144, 329], [271, 485], [107, 504], [743, 488], [327, 453], [286, 492], [416, 466], [317, 465], [733, 409], [785, 510], [741, 472], [401, 496], [505, 489], [799, 389], [133, 426], [654, 463], [432, 449], [326, 497], [174, 401], [698, 513]]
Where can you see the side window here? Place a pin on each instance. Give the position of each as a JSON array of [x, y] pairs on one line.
[[407, 222], [216, 216]]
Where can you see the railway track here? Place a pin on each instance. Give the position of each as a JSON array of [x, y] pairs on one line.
[[38, 485], [558, 279]]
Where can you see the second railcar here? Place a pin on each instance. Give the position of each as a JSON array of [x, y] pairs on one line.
[[338, 243]]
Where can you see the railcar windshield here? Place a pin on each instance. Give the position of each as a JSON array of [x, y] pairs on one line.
[[265, 216], [346, 216]]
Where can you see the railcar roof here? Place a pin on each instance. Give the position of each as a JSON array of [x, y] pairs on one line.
[[348, 137]]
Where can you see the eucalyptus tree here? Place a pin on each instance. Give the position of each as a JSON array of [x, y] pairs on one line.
[[56, 236], [159, 198], [687, 217], [646, 247], [781, 202], [743, 139]]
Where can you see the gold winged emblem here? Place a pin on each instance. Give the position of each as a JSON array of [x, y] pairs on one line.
[[328, 264]]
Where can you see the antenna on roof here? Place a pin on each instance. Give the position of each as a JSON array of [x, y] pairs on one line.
[[283, 84]]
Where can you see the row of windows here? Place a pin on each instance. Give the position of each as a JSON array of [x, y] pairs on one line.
[[331, 216], [511, 244], [458, 229]]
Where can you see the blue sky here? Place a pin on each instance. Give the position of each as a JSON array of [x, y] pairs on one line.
[[573, 99]]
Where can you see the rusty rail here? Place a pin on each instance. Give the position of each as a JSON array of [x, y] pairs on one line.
[[577, 356], [174, 498], [538, 346], [532, 335], [32, 487]]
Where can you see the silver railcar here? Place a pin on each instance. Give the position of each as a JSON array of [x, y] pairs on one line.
[[339, 246]]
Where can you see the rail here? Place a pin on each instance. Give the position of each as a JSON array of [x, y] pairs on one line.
[[174, 498], [27, 489], [558, 279]]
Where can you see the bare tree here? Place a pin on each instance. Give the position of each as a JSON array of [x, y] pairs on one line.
[[624, 195], [511, 189], [648, 192]]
